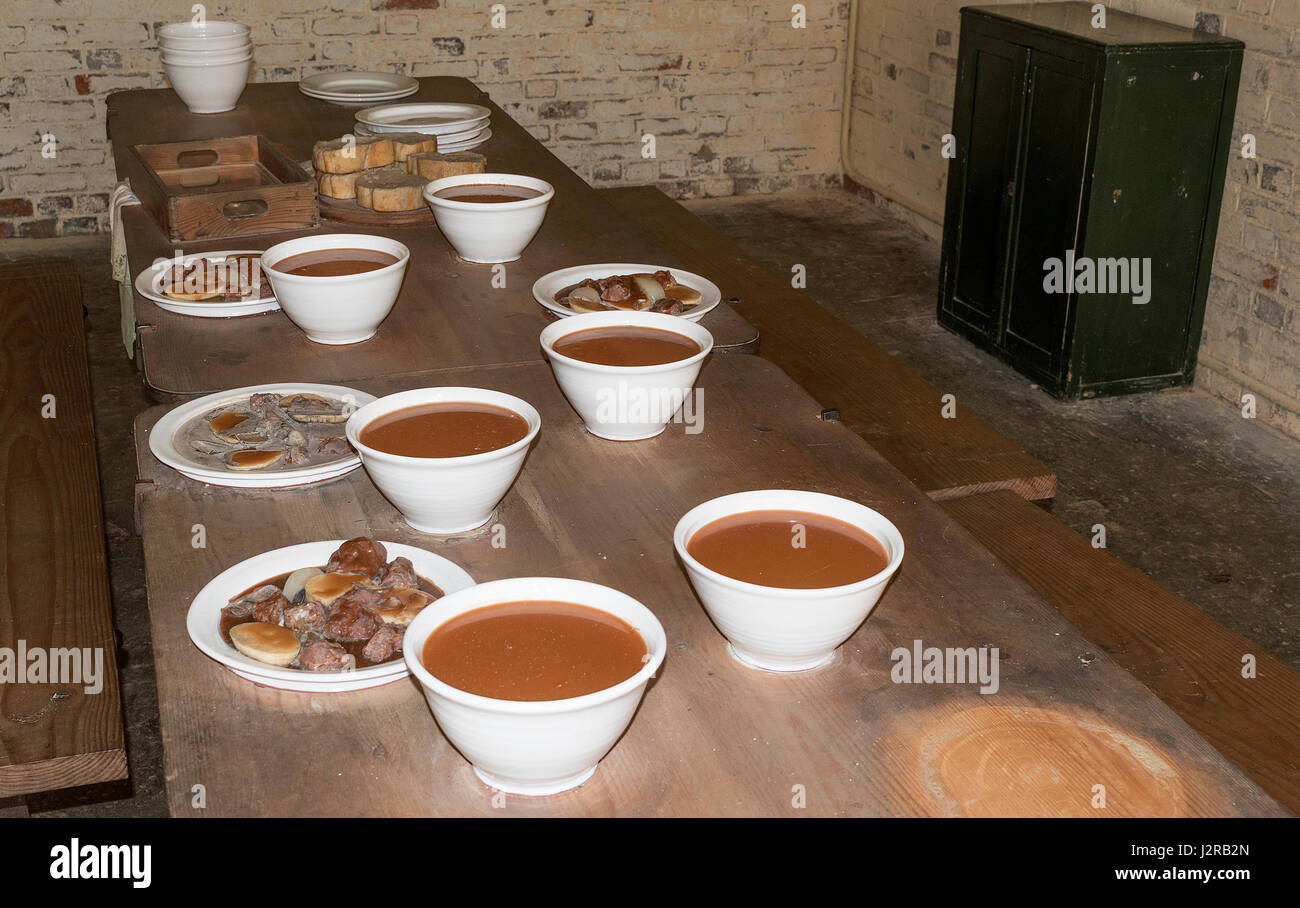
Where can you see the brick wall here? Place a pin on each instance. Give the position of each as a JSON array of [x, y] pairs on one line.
[[905, 71], [738, 99]]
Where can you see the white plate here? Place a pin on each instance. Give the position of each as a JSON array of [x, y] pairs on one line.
[[469, 126], [464, 144], [473, 140], [435, 118], [443, 138], [358, 86], [548, 285], [204, 617], [347, 101], [160, 440], [147, 283]]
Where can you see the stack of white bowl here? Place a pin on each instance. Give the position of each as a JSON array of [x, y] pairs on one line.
[[207, 64]]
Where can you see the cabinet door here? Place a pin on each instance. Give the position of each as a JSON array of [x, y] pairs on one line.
[[1056, 139], [981, 180]]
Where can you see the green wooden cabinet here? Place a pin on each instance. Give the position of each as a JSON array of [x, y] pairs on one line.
[[1083, 197]]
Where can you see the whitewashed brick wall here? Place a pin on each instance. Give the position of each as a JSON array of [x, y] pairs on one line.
[[739, 100]]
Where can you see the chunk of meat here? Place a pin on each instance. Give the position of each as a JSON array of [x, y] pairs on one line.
[[239, 609], [399, 572], [323, 656], [616, 292], [362, 596], [384, 644], [668, 306], [305, 617], [665, 278], [350, 622], [359, 556], [271, 609], [266, 603], [263, 404], [334, 444]]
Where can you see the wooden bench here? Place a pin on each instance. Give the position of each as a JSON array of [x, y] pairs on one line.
[[879, 398], [55, 594], [1189, 660]]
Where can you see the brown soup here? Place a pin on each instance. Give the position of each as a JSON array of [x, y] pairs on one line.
[[335, 262], [788, 549], [534, 651], [448, 429], [487, 193], [626, 345]]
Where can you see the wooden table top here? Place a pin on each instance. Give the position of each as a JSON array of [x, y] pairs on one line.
[[440, 317], [711, 737], [57, 729]]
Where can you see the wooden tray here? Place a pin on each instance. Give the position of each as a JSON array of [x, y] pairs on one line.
[[346, 211], [232, 186]]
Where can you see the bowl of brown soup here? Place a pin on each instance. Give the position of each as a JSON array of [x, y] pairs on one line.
[[787, 576], [534, 679], [445, 457], [337, 287], [627, 374], [489, 217]]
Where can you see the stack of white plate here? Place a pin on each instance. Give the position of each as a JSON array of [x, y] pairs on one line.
[[207, 64], [362, 88], [458, 127]]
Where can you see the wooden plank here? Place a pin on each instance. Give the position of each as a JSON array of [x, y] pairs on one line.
[[878, 397], [443, 314], [711, 737], [1190, 661], [54, 591]]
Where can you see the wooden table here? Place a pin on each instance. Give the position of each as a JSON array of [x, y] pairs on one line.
[[448, 315], [711, 737], [54, 597]]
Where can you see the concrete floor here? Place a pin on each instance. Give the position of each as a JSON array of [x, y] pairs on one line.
[[1205, 502]]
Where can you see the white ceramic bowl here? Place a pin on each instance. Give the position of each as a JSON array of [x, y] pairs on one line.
[[205, 45], [444, 495], [626, 403], [489, 232], [223, 59], [346, 309], [210, 34], [777, 629], [208, 88], [535, 747]]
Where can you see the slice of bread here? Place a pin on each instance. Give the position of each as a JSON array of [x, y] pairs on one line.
[[349, 154], [435, 166], [337, 185], [390, 189], [406, 144]]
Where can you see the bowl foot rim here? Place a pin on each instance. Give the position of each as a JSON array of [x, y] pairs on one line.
[[534, 789], [755, 663]]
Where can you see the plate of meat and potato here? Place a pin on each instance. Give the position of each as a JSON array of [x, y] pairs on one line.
[[615, 286], [323, 616]]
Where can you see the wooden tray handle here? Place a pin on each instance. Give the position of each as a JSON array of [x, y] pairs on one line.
[[198, 157], [245, 208]]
